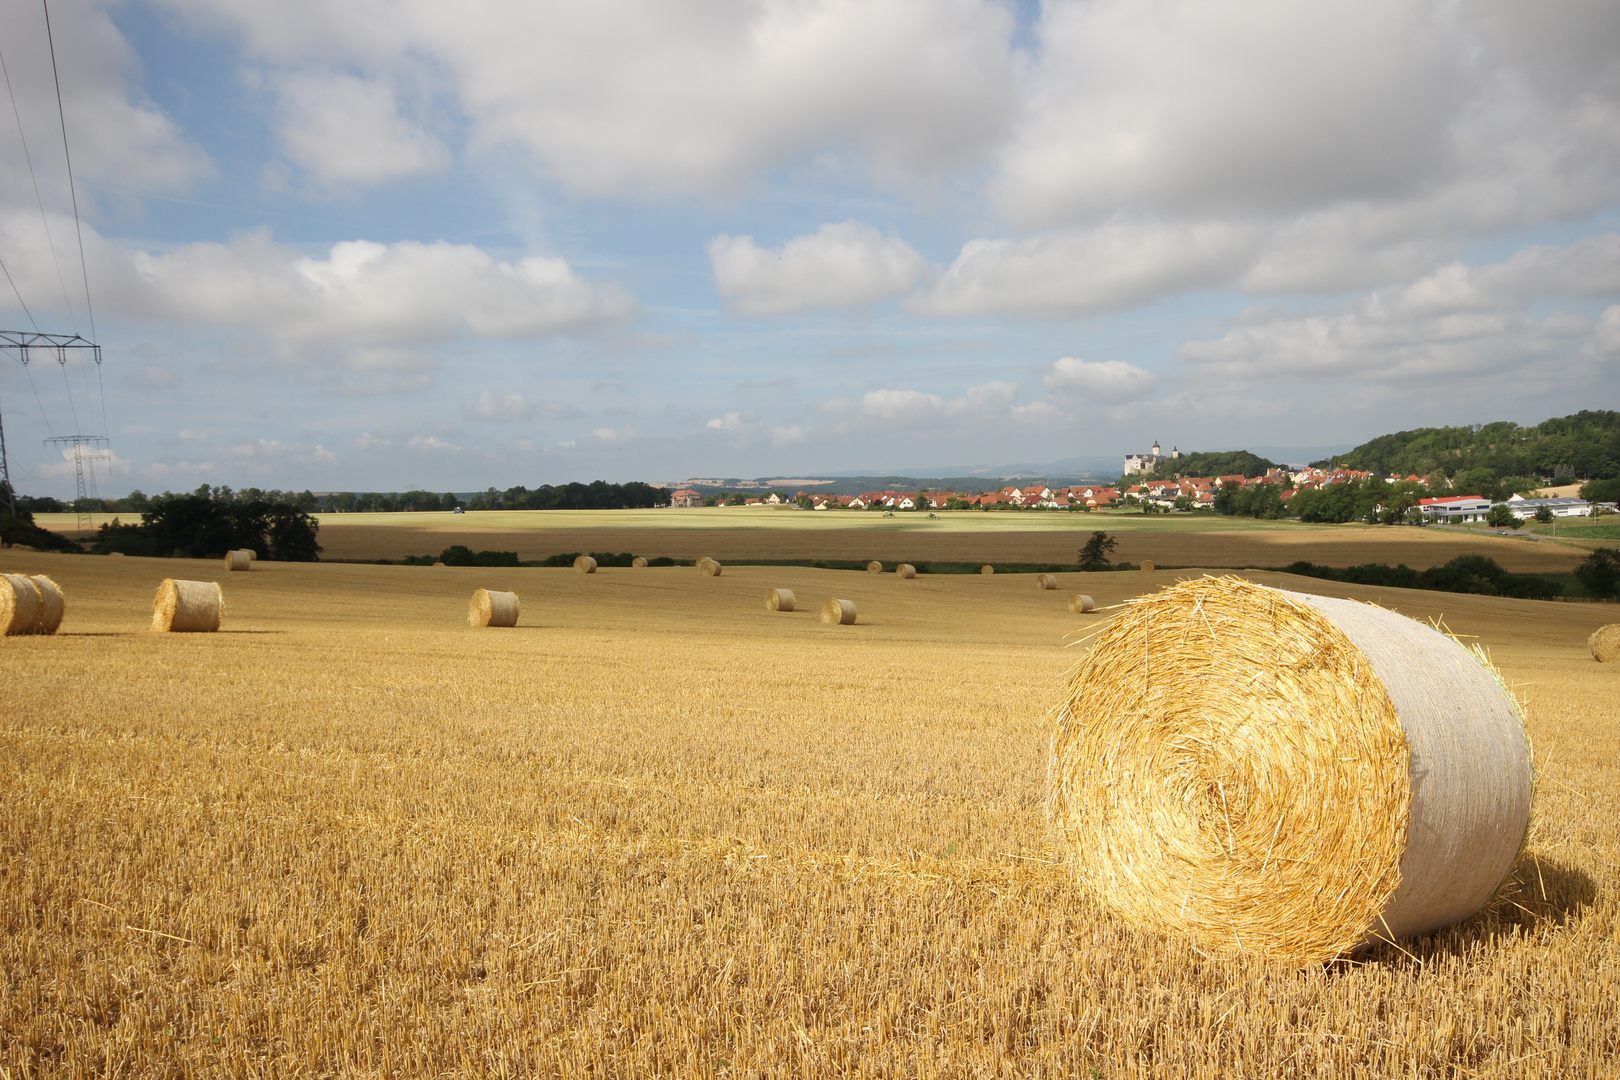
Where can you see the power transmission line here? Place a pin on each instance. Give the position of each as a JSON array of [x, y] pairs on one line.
[[44, 218], [18, 291], [61, 115]]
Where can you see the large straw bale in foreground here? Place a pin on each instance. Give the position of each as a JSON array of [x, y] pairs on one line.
[[874, 567], [1605, 643], [52, 605], [493, 609], [585, 564], [238, 560], [779, 600], [838, 612], [187, 606], [709, 567], [20, 605], [1286, 774], [1046, 581], [1080, 603], [906, 570]]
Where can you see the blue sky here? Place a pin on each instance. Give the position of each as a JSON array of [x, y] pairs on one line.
[[383, 245]]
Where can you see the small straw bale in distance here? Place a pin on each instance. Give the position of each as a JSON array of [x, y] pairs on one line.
[[1147, 564], [585, 564], [52, 605], [492, 609], [20, 604], [187, 606], [1605, 643], [1236, 764], [639, 562], [708, 567], [874, 567], [253, 556], [1046, 581], [1080, 603], [987, 569], [238, 560], [779, 600], [906, 570], [837, 612]]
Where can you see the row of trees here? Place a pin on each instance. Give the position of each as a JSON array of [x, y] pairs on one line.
[[597, 495], [203, 527], [1584, 445]]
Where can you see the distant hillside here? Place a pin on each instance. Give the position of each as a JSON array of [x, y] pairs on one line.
[[1585, 446], [1222, 463]]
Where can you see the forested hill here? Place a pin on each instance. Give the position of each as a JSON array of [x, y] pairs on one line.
[[1585, 446], [1223, 463]]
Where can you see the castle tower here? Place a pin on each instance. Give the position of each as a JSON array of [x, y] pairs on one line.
[[1156, 448]]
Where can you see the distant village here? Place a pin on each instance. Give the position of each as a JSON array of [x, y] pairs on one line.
[[1184, 493]]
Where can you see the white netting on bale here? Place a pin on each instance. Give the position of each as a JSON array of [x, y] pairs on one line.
[[1287, 774]]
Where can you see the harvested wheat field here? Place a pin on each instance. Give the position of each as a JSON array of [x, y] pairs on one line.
[[657, 830]]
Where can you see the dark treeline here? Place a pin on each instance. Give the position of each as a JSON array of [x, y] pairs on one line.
[[1582, 446], [597, 495], [1223, 463], [1464, 574], [202, 527]]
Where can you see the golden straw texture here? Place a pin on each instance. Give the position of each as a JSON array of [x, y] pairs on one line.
[[987, 569], [585, 564], [187, 606], [493, 609], [1231, 765], [838, 612], [19, 605], [1080, 603], [638, 562], [1147, 564], [874, 567], [709, 567], [52, 605], [1605, 643], [238, 560], [906, 570], [1046, 581], [779, 600]]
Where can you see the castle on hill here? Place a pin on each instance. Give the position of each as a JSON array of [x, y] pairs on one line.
[[1136, 464]]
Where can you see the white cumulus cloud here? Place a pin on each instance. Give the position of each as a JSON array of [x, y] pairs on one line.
[[1105, 381], [348, 132], [841, 265]]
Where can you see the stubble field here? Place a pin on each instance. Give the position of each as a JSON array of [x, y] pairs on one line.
[[658, 830]]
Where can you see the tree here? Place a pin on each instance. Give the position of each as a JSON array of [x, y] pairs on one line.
[[1500, 517], [1094, 555], [1544, 514], [1599, 572]]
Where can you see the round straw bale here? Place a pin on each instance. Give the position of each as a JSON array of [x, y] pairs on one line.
[[838, 613], [187, 606], [20, 604], [492, 609], [1284, 774], [253, 556], [120, 554], [874, 567], [779, 600], [1605, 643], [906, 570], [52, 605], [987, 569], [238, 560], [1080, 603], [638, 562], [1147, 564], [1046, 581], [438, 564], [585, 564], [709, 567]]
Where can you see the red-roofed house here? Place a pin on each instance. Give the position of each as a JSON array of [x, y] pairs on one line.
[[1455, 508]]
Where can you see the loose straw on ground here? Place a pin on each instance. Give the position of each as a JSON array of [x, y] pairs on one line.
[[638, 562], [1605, 643], [838, 612], [585, 564], [709, 567], [20, 605], [1080, 603], [187, 606], [1046, 581], [906, 570], [493, 609], [874, 567], [1284, 774], [779, 600], [238, 560], [52, 605]]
